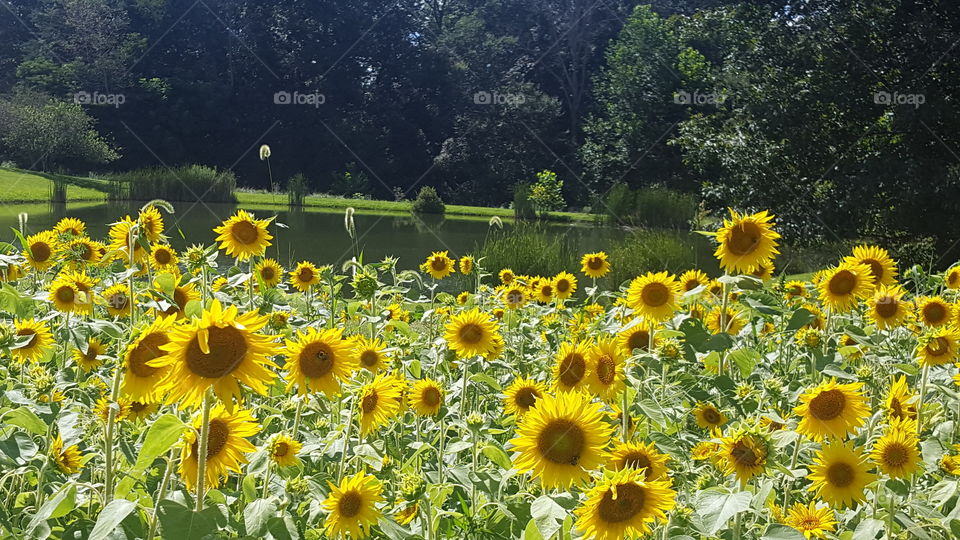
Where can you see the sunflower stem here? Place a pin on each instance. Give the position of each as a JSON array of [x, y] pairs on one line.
[[346, 442], [463, 393], [923, 393], [202, 449], [296, 419], [161, 493], [625, 417], [108, 439], [723, 323]]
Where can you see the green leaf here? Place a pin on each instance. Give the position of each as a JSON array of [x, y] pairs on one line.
[[715, 506], [782, 532], [746, 360], [257, 514], [531, 532], [178, 521], [800, 318], [282, 528], [26, 419], [497, 455], [548, 515], [868, 529], [110, 518], [161, 436], [58, 506]]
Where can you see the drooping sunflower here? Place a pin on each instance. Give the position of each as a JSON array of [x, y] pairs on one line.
[[746, 241], [140, 410], [734, 320], [39, 342], [896, 453], [831, 410], [843, 286], [886, 308], [744, 454], [595, 265], [40, 250], [243, 236], [269, 272], [463, 298], [141, 379], [691, 279], [763, 271], [882, 267], [513, 295], [123, 238], [151, 223], [933, 310], [163, 258], [380, 401], [69, 459], [605, 365], [938, 347], [471, 333], [318, 361], [439, 265], [810, 520], [623, 505], [227, 446], [221, 349], [561, 439], [426, 398], [89, 359], [120, 408], [570, 369], [116, 298], [283, 450], [70, 226], [839, 474], [708, 416], [371, 354], [654, 296], [564, 285], [639, 456], [467, 264], [352, 506], [901, 402], [952, 278], [635, 336], [304, 276], [521, 395]]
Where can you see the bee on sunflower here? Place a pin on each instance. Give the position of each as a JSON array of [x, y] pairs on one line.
[[318, 361]]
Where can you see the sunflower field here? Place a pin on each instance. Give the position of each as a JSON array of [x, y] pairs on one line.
[[213, 392]]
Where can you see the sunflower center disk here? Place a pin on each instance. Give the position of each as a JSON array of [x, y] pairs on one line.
[[840, 474], [471, 334], [629, 501], [267, 273], [595, 263], [305, 275], [369, 358], [895, 455], [637, 460], [743, 239], [431, 397], [227, 349], [244, 232], [561, 442], [639, 340], [162, 256], [572, 369], [875, 268], [711, 415], [934, 313], [40, 251], [828, 405], [842, 283], [606, 370], [349, 504], [438, 264], [655, 294], [526, 397], [316, 360], [147, 350], [219, 432], [938, 346], [65, 295], [369, 402], [281, 449], [563, 285], [744, 455], [886, 307]]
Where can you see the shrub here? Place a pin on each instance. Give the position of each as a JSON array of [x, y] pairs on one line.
[[184, 183], [547, 193], [349, 184], [654, 251], [650, 207], [297, 188], [428, 202], [523, 209], [528, 249]]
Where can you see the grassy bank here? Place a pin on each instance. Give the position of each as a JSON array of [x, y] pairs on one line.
[[30, 187]]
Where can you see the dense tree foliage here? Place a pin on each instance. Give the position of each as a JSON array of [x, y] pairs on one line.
[[839, 115]]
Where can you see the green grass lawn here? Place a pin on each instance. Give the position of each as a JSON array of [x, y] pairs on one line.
[[23, 187]]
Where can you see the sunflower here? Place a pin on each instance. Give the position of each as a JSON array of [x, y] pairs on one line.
[[121, 234], [39, 342], [184, 292], [654, 296], [466, 265], [151, 223], [439, 265], [463, 298], [938, 347], [10, 273], [708, 417], [513, 295], [89, 359], [139, 410], [933, 310], [733, 320], [221, 349], [227, 446], [901, 402], [406, 515], [543, 290], [426, 397], [380, 401], [70, 226], [40, 249], [506, 276], [141, 379], [564, 285], [561, 439], [704, 450], [319, 360], [605, 368], [896, 453], [743, 454], [839, 474], [370, 353], [636, 336], [813, 522], [521, 395], [283, 450], [624, 505], [395, 312], [795, 289], [471, 333], [746, 241], [595, 265], [691, 279], [882, 267], [570, 370], [242, 236], [952, 278], [68, 460], [842, 286], [163, 258], [269, 272], [121, 408], [116, 298], [763, 271], [640, 456], [65, 297], [886, 308], [304, 276], [831, 410], [81, 251], [352, 506]]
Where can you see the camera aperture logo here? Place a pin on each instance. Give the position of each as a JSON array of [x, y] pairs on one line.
[[313, 99], [682, 97], [896, 98], [496, 98], [100, 100]]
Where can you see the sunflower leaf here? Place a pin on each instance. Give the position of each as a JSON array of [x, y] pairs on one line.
[[715, 506]]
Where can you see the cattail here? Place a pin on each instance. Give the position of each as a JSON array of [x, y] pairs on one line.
[[348, 222], [264, 152]]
